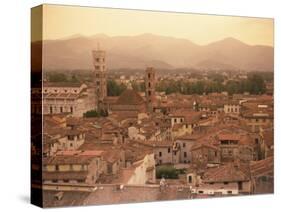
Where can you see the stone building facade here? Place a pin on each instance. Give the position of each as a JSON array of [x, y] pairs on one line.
[[67, 98]]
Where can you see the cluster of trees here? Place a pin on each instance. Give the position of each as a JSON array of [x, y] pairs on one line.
[[254, 84], [115, 89], [62, 77], [140, 87], [168, 172], [95, 113]]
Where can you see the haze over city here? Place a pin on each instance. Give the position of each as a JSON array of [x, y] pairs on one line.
[[61, 22]]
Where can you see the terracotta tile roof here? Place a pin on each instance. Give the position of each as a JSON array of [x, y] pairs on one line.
[[111, 156], [137, 150], [70, 198], [72, 157], [112, 194], [156, 143], [201, 145], [74, 175], [129, 97], [228, 136], [190, 116], [193, 136], [231, 172], [73, 132], [268, 136], [70, 121], [262, 167]]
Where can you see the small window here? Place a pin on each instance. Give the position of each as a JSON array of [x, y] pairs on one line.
[[57, 168], [160, 154], [189, 179], [225, 183], [169, 150], [240, 185], [185, 155], [183, 145], [229, 192], [70, 137]]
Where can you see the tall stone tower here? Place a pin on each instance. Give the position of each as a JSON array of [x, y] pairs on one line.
[[150, 82], [100, 75]]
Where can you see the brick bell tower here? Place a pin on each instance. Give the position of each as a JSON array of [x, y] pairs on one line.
[[150, 82], [100, 75]]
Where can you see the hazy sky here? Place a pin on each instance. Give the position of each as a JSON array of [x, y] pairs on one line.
[[64, 21]]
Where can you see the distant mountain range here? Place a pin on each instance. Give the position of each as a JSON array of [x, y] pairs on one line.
[[159, 51]]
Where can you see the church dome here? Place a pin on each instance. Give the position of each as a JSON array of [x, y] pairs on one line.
[[130, 97]]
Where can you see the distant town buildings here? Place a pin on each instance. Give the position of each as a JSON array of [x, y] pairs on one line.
[[218, 145]]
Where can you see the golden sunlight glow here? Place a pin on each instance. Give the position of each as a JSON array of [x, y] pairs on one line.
[[64, 21]]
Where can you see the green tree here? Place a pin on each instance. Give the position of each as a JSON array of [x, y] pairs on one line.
[[57, 77], [168, 172], [95, 113], [256, 84], [74, 79], [91, 113], [114, 89]]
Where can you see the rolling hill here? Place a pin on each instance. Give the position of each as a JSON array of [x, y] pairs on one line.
[[161, 52]]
